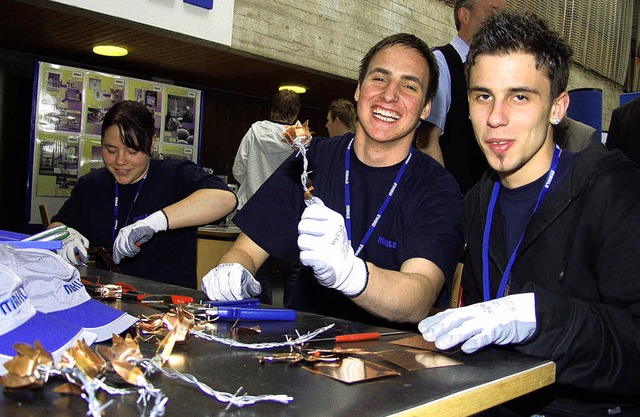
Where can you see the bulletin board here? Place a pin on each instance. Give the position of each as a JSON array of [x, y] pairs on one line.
[[69, 105]]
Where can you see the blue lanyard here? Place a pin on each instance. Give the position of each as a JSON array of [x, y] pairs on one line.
[[383, 207], [114, 233], [487, 231]]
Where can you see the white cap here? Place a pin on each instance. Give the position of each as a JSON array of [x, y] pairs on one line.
[[55, 287], [20, 322]]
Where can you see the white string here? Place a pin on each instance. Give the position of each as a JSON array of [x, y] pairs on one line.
[[232, 399], [90, 386], [259, 346], [297, 144], [302, 150]]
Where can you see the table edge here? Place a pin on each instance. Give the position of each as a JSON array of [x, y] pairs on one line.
[[482, 397]]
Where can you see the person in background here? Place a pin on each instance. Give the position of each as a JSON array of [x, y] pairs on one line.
[[625, 125], [261, 151], [446, 134], [390, 258], [341, 117], [147, 210], [551, 235]]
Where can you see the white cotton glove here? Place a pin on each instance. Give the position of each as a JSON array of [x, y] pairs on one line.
[[74, 248], [230, 282], [502, 321], [130, 237], [324, 246]]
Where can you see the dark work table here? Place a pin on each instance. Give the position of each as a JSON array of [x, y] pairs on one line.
[[487, 378]]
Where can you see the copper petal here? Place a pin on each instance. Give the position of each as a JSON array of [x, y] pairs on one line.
[[68, 388], [86, 360], [166, 346], [21, 366], [44, 357], [129, 372], [106, 352], [25, 349], [14, 381]]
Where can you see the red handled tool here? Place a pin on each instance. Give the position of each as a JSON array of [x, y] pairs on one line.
[[357, 337]]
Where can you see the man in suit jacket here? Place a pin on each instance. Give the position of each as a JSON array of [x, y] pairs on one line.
[[625, 125], [446, 134], [573, 135]]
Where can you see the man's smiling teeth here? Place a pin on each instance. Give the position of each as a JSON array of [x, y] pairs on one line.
[[386, 115]]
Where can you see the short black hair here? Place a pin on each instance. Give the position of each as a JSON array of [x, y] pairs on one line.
[[135, 122], [408, 41], [508, 32]]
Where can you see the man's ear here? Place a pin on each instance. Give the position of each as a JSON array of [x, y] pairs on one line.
[[356, 95], [560, 107], [463, 15], [426, 110]]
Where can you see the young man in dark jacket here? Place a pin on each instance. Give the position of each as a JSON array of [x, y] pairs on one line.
[[551, 235]]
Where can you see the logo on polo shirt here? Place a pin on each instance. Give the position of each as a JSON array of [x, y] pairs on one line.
[[387, 243]]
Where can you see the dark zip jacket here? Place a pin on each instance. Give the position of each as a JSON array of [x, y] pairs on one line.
[[579, 255]]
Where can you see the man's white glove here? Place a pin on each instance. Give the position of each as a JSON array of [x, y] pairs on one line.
[[74, 248], [324, 246], [130, 237], [502, 321], [230, 282]]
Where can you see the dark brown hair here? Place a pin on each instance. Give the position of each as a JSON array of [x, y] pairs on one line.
[[135, 123]]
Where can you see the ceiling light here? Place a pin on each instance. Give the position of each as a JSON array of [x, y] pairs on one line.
[[109, 50], [295, 88]]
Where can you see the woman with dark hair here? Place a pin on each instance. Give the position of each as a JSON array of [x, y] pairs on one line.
[[148, 210]]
